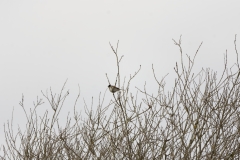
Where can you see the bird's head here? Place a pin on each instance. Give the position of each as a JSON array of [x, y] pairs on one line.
[[109, 85]]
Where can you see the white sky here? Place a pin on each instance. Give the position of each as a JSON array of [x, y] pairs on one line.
[[42, 43]]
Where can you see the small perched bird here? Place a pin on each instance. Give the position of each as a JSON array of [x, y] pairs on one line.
[[113, 89]]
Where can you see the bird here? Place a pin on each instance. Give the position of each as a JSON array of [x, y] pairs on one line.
[[113, 89]]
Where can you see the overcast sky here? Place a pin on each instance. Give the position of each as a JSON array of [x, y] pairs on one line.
[[45, 42]]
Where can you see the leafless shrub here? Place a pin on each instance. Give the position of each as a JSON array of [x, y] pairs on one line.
[[198, 119]]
